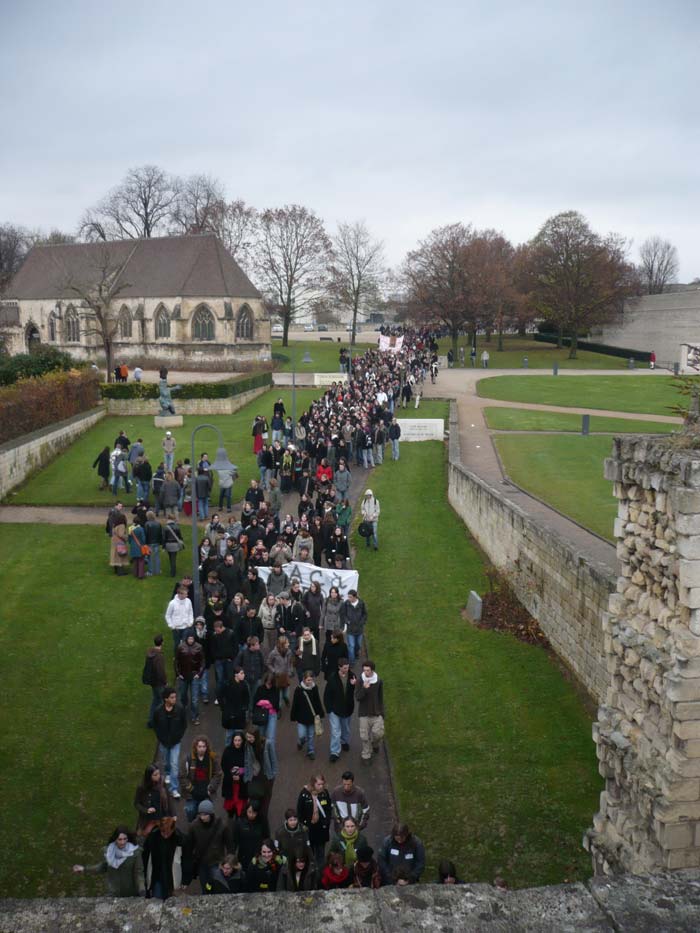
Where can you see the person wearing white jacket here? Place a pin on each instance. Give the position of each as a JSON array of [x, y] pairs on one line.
[[370, 513], [179, 615]]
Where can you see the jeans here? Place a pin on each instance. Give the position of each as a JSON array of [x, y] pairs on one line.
[[156, 700], [395, 449], [340, 732], [306, 734], [263, 477], [178, 634], [367, 459], [354, 643], [270, 730], [225, 497], [168, 461], [143, 489], [171, 760], [378, 453], [192, 687], [374, 535], [204, 687], [203, 507], [115, 485], [348, 449], [154, 559], [191, 807], [222, 673], [276, 436]]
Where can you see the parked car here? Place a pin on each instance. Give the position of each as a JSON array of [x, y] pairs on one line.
[[277, 329], [308, 328], [323, 326]]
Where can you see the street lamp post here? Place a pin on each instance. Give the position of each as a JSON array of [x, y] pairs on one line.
[[306, 359], [221, 462]]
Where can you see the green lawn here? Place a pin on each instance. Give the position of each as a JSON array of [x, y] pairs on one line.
[[69, 479], [539, 355], [74, 709], [654, 395], [492, 752], [566, 472], [323, 353], [527, 419]]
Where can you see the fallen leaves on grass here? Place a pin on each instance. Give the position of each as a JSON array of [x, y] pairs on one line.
[[503, 612]]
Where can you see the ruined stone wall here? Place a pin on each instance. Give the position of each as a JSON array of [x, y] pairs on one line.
[[648, 729], [566, 592]]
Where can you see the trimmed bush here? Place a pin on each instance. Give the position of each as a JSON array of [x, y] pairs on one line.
[[140, 390], [37, 363], [31, 404], [642, 356]]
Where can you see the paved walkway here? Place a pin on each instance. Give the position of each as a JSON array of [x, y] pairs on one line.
[[479, 455]]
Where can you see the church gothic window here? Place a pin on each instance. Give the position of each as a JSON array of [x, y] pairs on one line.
[[162, 324], [125, 324], [52, 327], [244, 324], [71, 326], [202, 324]]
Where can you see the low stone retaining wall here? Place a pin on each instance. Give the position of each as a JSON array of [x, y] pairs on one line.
[[561, 588], [186, 406], [630, 904], [25, 455]]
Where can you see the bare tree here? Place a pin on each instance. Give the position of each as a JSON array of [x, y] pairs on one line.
[[198, 205], [292, 257], [576, 278], [15, 243], [357, 270], [98, 293], [139, 207], [659, 264], [234, 223]]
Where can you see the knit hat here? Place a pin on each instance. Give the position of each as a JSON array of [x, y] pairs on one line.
[[284, 595], [369, 493], [364, 853], [206, 806]]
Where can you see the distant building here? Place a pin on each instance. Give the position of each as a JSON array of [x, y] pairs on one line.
[[185, 298], [658, 323]]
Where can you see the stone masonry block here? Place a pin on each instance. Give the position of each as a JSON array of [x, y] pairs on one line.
[[687, 730], [689, 597], [688, 524], [675, 835], [683, 858], [689, 573], [685, 690], [685, 501], [682, 766]]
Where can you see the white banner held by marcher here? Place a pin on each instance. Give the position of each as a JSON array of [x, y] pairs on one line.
[[390, 344], [306, 574], [421, 429]]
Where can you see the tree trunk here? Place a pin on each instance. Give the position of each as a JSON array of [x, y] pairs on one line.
[[560, 337], [488, 336], [354, 323], [573, 345], [455, 338], [109, 357], [500, 339], [522, 331], [286, 320]]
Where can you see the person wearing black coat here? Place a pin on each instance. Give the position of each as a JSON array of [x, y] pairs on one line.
[[315, 799], [306, 705], [159, 849], [169, 725], [228, 878], [254, 588], [339, 700], [249, 832], [102, 464], [234, 702]]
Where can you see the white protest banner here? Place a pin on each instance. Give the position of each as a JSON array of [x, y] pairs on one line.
[[327, 577], [390, 344]]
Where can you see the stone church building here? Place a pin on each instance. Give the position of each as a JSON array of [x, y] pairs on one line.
[[182, 299]]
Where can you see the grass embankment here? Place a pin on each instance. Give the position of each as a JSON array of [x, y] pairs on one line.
[[566, 472], [654, 395], [70, 479], [539, 355], [528, 419], [74, 709], [324, 354], [492, 751]]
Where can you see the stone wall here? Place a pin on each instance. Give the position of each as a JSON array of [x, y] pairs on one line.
[[648, 729], [624, 905], [186, 406], [30, 452], [563, 590]]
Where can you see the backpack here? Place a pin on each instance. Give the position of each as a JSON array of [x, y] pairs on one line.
[[148, 675]]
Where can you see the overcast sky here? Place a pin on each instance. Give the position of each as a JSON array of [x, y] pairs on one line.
[[407, 115]]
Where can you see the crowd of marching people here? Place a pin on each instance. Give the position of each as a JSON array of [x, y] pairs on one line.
[[264, 647]]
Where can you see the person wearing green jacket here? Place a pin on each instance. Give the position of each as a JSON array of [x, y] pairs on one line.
[[122, 864]]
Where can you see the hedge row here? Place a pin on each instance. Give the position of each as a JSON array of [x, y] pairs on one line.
[[31, 404], [40, 361], [138, 390], [641, 356]]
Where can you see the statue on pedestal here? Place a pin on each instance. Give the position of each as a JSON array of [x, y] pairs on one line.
[[165, 398]]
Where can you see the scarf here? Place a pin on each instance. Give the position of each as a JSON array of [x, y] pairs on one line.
[[370, 680], [350, 843], [311, 641], [115, 857]]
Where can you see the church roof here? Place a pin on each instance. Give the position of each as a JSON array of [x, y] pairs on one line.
[[160, 267]]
